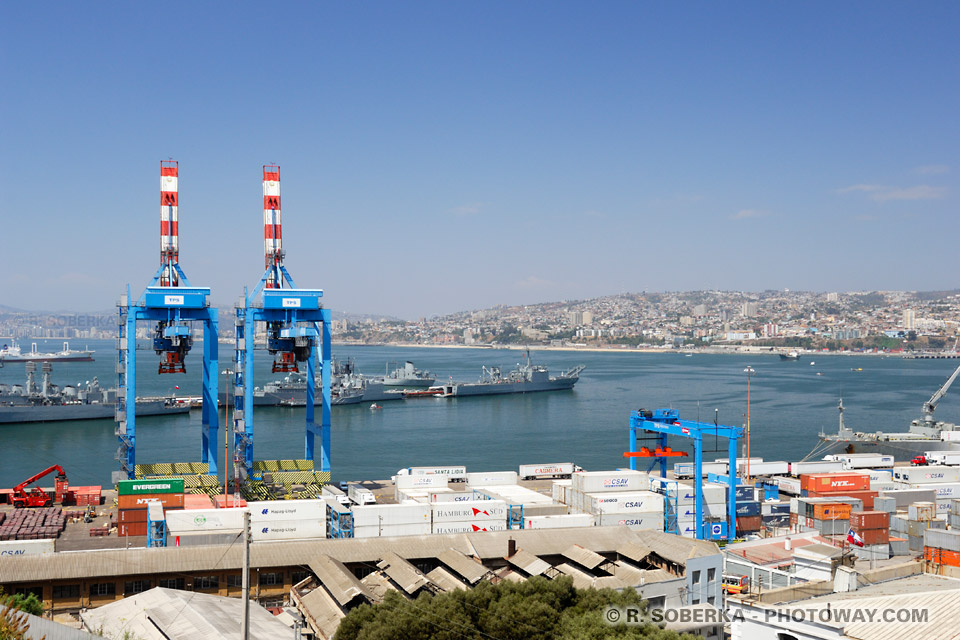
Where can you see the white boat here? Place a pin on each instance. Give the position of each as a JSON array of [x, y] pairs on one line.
[[10, 352]]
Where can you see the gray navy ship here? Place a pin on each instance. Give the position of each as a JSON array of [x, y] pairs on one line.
[[409, 377], [526, 378], [347, 386], [924, 434], [47, 402]]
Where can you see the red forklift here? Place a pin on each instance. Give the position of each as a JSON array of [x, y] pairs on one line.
[[37, 497]]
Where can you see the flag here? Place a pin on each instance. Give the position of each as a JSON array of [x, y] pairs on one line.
[[854, 538]]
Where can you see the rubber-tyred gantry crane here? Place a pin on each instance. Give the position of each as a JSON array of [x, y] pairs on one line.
[[295, 321], [173, 304]]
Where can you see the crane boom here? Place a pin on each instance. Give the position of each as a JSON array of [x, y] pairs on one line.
[[931, 405], [38, 497]]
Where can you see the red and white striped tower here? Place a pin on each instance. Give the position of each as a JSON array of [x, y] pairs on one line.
[[272, 232], [169, 233]]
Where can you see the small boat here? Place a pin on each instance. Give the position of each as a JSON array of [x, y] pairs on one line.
[[792, 355], [812, 363], [432, 392], [375, 407], [819, 373], [857, 369]]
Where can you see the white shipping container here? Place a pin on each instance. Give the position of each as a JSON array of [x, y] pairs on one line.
[[452, 496], [428, 482], [863, 460], [545, 470], [476, 510], [205, 520], [417, 529], [926, 475], [884, 486], [740, 460], [787, 485], [454, 472], [21, 548], [288, 530], [710, 509], [558, 490], [943, 457], [559, 522], [945, 490], [879, 475], [390, 514], [636, 521], [287, 510], [626, 502], [491, 478], [822, 466], [949, 436], [764, 468], [685, 469], [469, 526], [623, 480]]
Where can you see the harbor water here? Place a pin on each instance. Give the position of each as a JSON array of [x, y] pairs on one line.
[[790, 405]]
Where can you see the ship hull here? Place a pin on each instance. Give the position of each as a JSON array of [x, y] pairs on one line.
[[902, 450], [501, 388], [80, 357], [60, 413], [409, 383]]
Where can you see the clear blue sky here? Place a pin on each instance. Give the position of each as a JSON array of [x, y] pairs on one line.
[[439, 156]]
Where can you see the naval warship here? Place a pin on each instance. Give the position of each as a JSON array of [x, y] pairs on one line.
[[924, 434], [409, 377], [47, 402], [526, 378]]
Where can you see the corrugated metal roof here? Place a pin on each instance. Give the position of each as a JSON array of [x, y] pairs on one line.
[[404, 574], [676, 549], [377, 585], [584, 557], [445, 580], [38, 628], [471, 570], [322, 611], [338, 580], [529, 563], [941, 608], [581, 580], [634, 551], [163, 614]]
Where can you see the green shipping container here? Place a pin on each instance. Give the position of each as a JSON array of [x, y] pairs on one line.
[[137, 487]]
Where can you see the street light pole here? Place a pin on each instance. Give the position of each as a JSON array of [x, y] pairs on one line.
[[749, 371], [226, 438]]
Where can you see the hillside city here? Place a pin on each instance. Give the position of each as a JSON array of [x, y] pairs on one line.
[[860, 321]]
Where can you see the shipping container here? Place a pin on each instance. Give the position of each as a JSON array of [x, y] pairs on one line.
[[559, 522], [860, 520], [21, 548], [830, 527], [626, 502], [915, 528], [227, 502], [426, 482], [949, 540], [750, 523], [139, 501], [834, 482], [874, 536], [905, 497], [748, 509], [947, 458], [787, 485], [864, 460], [926, 475], [287, 510], [879, 475], [358, 494], [132, 515], [883, 503], [763, 468], [602, 481], [922, 511], [555, 470], [822, 466], [477, 510], [202, 539], [451, 496], [125, 529], [384, 530], [941, 556], [685, 469], [558, 490], [391, 514], [288, 530], [636, 521], [863, 499], [745, 492], [453, 473], [140, 487], [204, 520], [197, 501], [829, 511], [469, 526], [491, 478]]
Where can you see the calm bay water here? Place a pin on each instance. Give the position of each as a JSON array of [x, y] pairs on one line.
[[790, 404]]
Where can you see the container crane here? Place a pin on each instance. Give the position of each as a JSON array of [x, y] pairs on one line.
[[37, 497], [931, 405], [173, 304], [296, 325]]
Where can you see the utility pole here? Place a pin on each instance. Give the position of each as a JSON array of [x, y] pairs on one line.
[[245, 620], [749, 371]]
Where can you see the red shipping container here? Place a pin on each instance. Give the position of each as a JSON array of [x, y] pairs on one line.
[[834, 482], [861, 520], [222, 501], [132, 529], [875, 536], [172, 500], [197, 501], [132, 515], [749, 523]]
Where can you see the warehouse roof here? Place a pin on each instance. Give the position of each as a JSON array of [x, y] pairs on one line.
[[171, 614], [676, 549], [323, 612], [529, 563], [445, 580], [404, 574], [581, 579], [338, 580], [40, 628], [584, 557], [471, 570]]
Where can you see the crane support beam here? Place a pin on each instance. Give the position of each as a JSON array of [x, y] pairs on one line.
[[664, 423]]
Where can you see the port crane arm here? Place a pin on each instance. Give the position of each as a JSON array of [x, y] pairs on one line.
[[931, 405], [20, 487]]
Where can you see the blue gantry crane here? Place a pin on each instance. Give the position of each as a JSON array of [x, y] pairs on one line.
[[173, 304], [661, 424], [295, 321]]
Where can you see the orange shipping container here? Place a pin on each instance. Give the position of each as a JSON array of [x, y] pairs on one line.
[[168, 500], [832, 511], [197, 501], [861, 520], [941, 556], [130, 516], [834, 482], [131, 529]]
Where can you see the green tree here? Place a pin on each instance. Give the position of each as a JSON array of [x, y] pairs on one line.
[[537, 609]]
